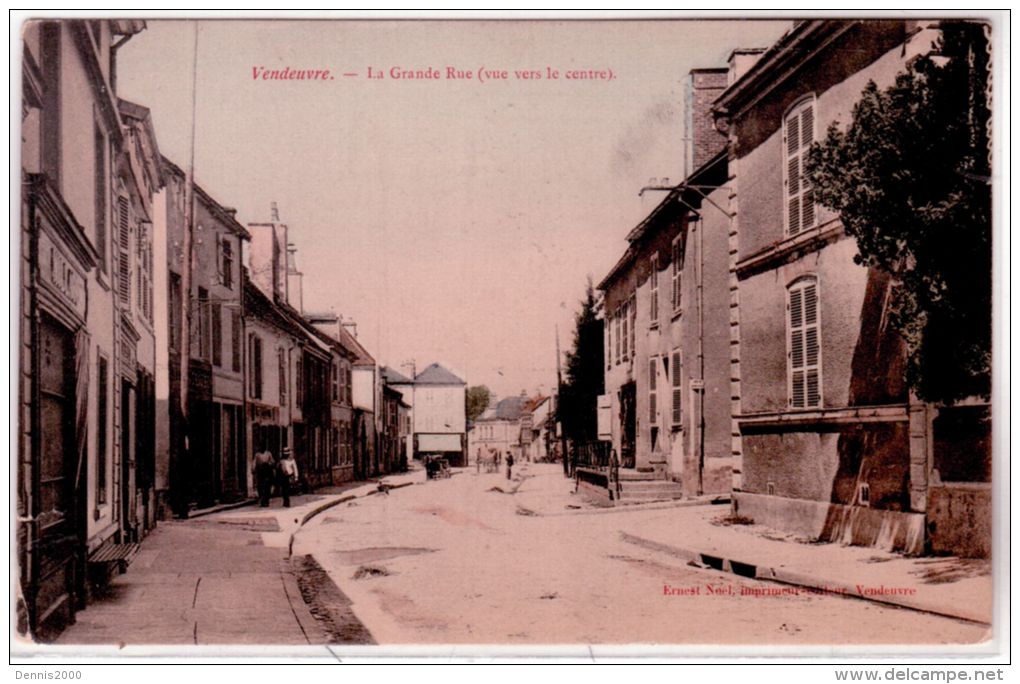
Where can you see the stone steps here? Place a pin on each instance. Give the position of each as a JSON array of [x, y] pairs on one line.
[[649, 490]]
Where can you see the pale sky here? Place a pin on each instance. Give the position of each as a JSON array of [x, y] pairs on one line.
[[454, 221]]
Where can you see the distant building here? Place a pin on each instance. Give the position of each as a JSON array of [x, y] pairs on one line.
[[440, 406], [498, 429]]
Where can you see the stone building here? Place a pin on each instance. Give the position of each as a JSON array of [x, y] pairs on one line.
[[667, 366], [205, 460], [85, 351], [828, 441]]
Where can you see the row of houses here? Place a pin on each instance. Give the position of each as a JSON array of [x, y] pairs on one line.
[[746, 351], [520, 426], [162, 342]]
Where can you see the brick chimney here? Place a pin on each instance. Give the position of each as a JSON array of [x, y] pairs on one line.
[[702, 139]]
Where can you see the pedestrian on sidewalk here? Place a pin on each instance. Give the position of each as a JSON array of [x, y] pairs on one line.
[[288, 474], [509, 464], [263, 467]]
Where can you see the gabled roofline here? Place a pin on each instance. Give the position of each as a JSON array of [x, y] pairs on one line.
[[215, 207], [779, 62], [663, 211]]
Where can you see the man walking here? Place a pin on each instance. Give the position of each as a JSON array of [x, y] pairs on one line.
[[288, 474], [264, 469]]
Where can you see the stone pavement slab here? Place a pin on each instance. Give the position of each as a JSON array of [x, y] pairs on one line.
[[197, 585]]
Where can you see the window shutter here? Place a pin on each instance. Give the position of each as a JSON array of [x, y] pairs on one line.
[[799, 132], [124, 254], [652, 408], [677, 388], [804, 345]]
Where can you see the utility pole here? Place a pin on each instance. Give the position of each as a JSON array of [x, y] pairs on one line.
[[187, 264], [559, 415]]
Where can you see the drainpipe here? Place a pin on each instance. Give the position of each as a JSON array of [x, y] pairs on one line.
[[699, 282]]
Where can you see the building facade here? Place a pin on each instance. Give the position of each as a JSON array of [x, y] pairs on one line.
[[86, 350], [440, 415], [667, 366], [206, 461], [828, 440]]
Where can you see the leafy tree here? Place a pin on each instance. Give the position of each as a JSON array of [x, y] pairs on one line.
[[478, 397], [583, 382], [910, 177]]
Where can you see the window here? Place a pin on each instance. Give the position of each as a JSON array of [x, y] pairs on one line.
[[100, 194], [299, 383], [676, 293], [175, 312], [144, 260], [678, 384], [227, 263], [632, 311], [609, 343], [204, 324], [619, 328], [798, 134], [653, 407], [50, 134], [217, 333], [336, 381], [625, 314], [653, 284], [804, 345], [281, 359], [255, 366], [102, 438], [235, 340]]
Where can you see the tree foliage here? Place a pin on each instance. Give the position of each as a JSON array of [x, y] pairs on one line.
[[583, 381], [910, 178], [478, 398]]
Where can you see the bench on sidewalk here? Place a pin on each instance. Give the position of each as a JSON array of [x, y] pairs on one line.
[[108, 557]]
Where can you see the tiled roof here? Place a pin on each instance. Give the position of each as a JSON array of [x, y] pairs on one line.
[[437, 375], [392, 377]]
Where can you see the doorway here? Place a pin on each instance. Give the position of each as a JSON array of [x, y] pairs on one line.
[[628, 425], [56, 511]]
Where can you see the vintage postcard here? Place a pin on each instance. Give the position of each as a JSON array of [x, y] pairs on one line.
[[642, 334]]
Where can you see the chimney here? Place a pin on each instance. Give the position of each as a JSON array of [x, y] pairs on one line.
[[274, 213], [267, 255], [740, 61], [703, 141], [294, 294]]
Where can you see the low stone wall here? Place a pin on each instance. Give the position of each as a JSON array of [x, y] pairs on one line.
[[851, 525], [960, 519], [592, 485]]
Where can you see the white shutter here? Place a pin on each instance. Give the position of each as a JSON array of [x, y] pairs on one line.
[[804, 345], [677, 369], [653, 409], [799, 131]]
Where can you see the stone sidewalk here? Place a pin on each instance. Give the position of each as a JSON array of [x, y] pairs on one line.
[[195, 582], [703, 534], [221, 578]]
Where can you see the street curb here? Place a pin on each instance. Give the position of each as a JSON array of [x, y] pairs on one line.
[[816, 584], [330, 504], [639, 507], [219, 509]]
